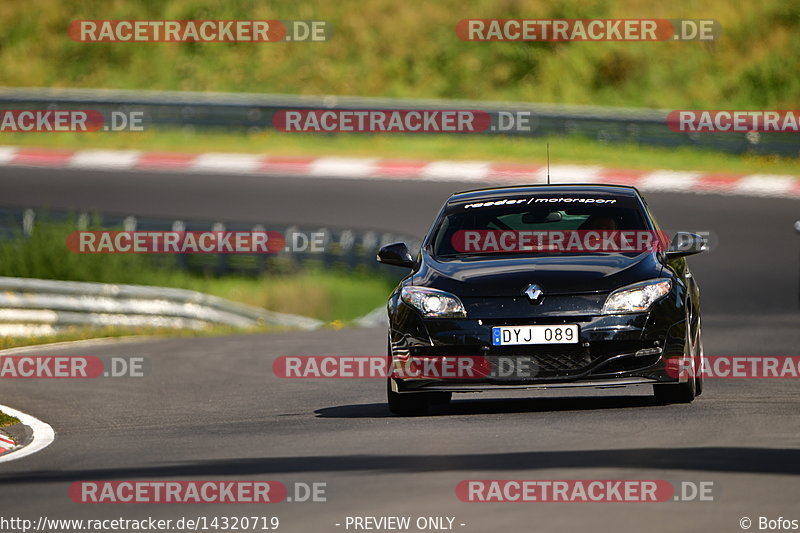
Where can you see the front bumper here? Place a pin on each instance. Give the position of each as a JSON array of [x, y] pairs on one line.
[[443, 386], [613, 350]]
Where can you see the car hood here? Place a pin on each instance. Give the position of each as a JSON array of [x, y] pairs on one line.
[[555, 274]]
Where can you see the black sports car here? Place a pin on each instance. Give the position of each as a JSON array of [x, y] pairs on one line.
[[528, 314]]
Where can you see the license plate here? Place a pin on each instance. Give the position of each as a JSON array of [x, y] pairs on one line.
[[510, 335]]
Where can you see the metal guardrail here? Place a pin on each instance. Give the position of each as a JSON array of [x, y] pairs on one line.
[[31, 306], [254, 112]]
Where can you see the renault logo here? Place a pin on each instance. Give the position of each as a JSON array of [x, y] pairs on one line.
[[533, 292]]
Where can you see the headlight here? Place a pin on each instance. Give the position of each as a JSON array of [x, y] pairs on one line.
[[433, 303], [636, 298]]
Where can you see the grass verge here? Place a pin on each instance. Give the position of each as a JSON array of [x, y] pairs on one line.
[[7, 420], [402, 49]]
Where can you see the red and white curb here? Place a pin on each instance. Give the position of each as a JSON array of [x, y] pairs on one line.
[[6, 444], [770, 185], [43, 436]]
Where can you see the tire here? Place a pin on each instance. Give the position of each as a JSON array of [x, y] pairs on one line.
[[410, 404], [667, 393], [699, 355], [439, 398], [672, 393]]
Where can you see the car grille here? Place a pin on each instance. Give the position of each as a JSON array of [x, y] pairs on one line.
[[553, 361], [561, 361]]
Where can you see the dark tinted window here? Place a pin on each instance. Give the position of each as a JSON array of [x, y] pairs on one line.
[[539, 213]]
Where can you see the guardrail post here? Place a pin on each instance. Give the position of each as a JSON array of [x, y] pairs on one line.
[[261, 260], [290, 254], [328, 256], [129, 223], [180, 259], [222, 258], [346, 244], [369, 244], [28, 216], [82, 223]]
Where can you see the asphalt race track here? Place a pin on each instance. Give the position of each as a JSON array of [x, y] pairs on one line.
[[210, 408]]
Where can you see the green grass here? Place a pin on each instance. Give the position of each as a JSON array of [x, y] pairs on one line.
[[564, 150], [7, 420], [410, 49], [332, 295]]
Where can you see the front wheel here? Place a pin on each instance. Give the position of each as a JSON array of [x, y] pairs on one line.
[[699, 358], [666, 393], [675, 393], [414, 404], [406, 404]]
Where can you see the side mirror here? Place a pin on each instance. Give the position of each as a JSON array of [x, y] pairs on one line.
[[396, 254], [686, 244]]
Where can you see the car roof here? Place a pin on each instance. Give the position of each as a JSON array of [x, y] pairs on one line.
[[572, 188]]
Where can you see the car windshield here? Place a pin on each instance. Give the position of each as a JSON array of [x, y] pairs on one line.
[[498, 218]]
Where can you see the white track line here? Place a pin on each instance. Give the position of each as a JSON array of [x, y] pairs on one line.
[[456, 171], [7, 153], [222, 162], [342, 167], [43, 435], [111, 159]]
